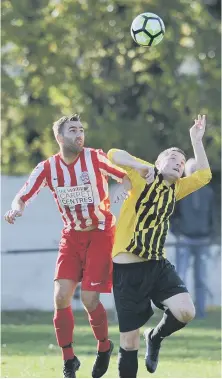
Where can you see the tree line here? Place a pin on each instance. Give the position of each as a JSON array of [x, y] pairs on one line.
[[63, 57]]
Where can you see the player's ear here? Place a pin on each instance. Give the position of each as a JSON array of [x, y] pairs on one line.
[[59, 138], [157, 163]]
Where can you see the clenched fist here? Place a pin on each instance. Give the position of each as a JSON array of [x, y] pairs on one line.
[[11, 215]]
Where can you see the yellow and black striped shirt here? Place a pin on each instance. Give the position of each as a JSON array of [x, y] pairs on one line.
[[144, 217]]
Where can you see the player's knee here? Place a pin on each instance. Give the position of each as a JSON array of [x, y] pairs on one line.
[[187, 313], [61, 300], [90, 300]]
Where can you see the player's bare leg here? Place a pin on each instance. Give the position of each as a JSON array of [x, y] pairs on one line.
[[99, 324], [64, 324]]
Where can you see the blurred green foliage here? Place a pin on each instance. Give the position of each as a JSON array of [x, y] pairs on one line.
[[60, 57]]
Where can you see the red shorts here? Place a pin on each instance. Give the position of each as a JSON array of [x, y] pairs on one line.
[[87, 257]]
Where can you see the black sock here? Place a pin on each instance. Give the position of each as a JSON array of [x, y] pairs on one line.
[[168, 325], [127, 363]]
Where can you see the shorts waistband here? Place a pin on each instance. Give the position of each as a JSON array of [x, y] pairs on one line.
[[132, 266]]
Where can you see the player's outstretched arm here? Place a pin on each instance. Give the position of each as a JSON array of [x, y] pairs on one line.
[[123, 158], [196, 135], [109, 168], [16, 210]]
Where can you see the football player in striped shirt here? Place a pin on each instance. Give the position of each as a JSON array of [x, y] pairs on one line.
[[78, 179], [141, 271]]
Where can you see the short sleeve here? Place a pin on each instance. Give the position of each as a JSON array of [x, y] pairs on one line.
[[189, 184]]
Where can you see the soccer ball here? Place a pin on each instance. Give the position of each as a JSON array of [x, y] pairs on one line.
[[147, 29]]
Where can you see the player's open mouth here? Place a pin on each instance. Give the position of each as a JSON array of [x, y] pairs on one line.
[[176, 169]]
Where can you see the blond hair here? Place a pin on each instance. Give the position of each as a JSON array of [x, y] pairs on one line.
[[166, 152]]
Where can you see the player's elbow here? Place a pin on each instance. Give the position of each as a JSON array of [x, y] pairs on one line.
[[113, 156], [110, 154], [119, 157], [204, 178], [209, 178]]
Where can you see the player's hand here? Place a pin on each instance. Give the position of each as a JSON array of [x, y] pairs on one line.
[[198, 129], [146, 172], [124, 194], [150, 176], [11, 215], [120, 196]]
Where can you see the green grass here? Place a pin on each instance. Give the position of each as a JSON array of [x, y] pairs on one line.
[[29, 348]]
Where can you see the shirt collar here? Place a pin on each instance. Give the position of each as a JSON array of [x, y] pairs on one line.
[[158, 175]]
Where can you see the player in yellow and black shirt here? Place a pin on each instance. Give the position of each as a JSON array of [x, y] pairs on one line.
[[141, 271]]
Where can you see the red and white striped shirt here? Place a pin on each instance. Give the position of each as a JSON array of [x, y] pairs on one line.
[[80, 189]]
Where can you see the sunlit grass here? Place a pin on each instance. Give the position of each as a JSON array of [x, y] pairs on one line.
[[29, 348]]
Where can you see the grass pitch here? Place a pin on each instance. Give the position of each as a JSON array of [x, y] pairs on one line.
[[29, 348]]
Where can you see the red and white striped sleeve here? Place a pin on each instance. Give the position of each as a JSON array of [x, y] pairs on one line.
[[33, 185], [108, 168]]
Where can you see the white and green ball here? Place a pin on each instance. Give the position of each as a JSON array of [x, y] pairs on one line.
[[147, 29]]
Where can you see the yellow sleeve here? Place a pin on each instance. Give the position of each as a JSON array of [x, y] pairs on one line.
[[133, 175], [189, 184]]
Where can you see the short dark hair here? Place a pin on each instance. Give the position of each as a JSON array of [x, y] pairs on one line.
[[59, 124], [168, 151]]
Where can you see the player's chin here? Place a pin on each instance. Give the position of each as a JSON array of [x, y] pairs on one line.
[[174, 176], [78, 148]]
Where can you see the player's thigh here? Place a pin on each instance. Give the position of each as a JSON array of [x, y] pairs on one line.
[[63, 292], [130, 340], [97, 272], [181, 306], [132, 295], [69, 263]]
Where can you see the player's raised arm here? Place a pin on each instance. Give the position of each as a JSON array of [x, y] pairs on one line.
[[123, 158], [110, 169], [29, 191], [202, 175], [196, 135]]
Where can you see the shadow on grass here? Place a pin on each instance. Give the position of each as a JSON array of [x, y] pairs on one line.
[[32, 333], [212, 320], [35, 341]]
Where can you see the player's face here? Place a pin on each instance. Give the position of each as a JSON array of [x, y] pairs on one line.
[[172, 165], [73, 136]]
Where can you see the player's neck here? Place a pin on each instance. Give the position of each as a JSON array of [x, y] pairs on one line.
[[168, 181], [68, 156]]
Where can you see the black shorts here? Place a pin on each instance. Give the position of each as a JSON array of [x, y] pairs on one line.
[[136, 284]]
